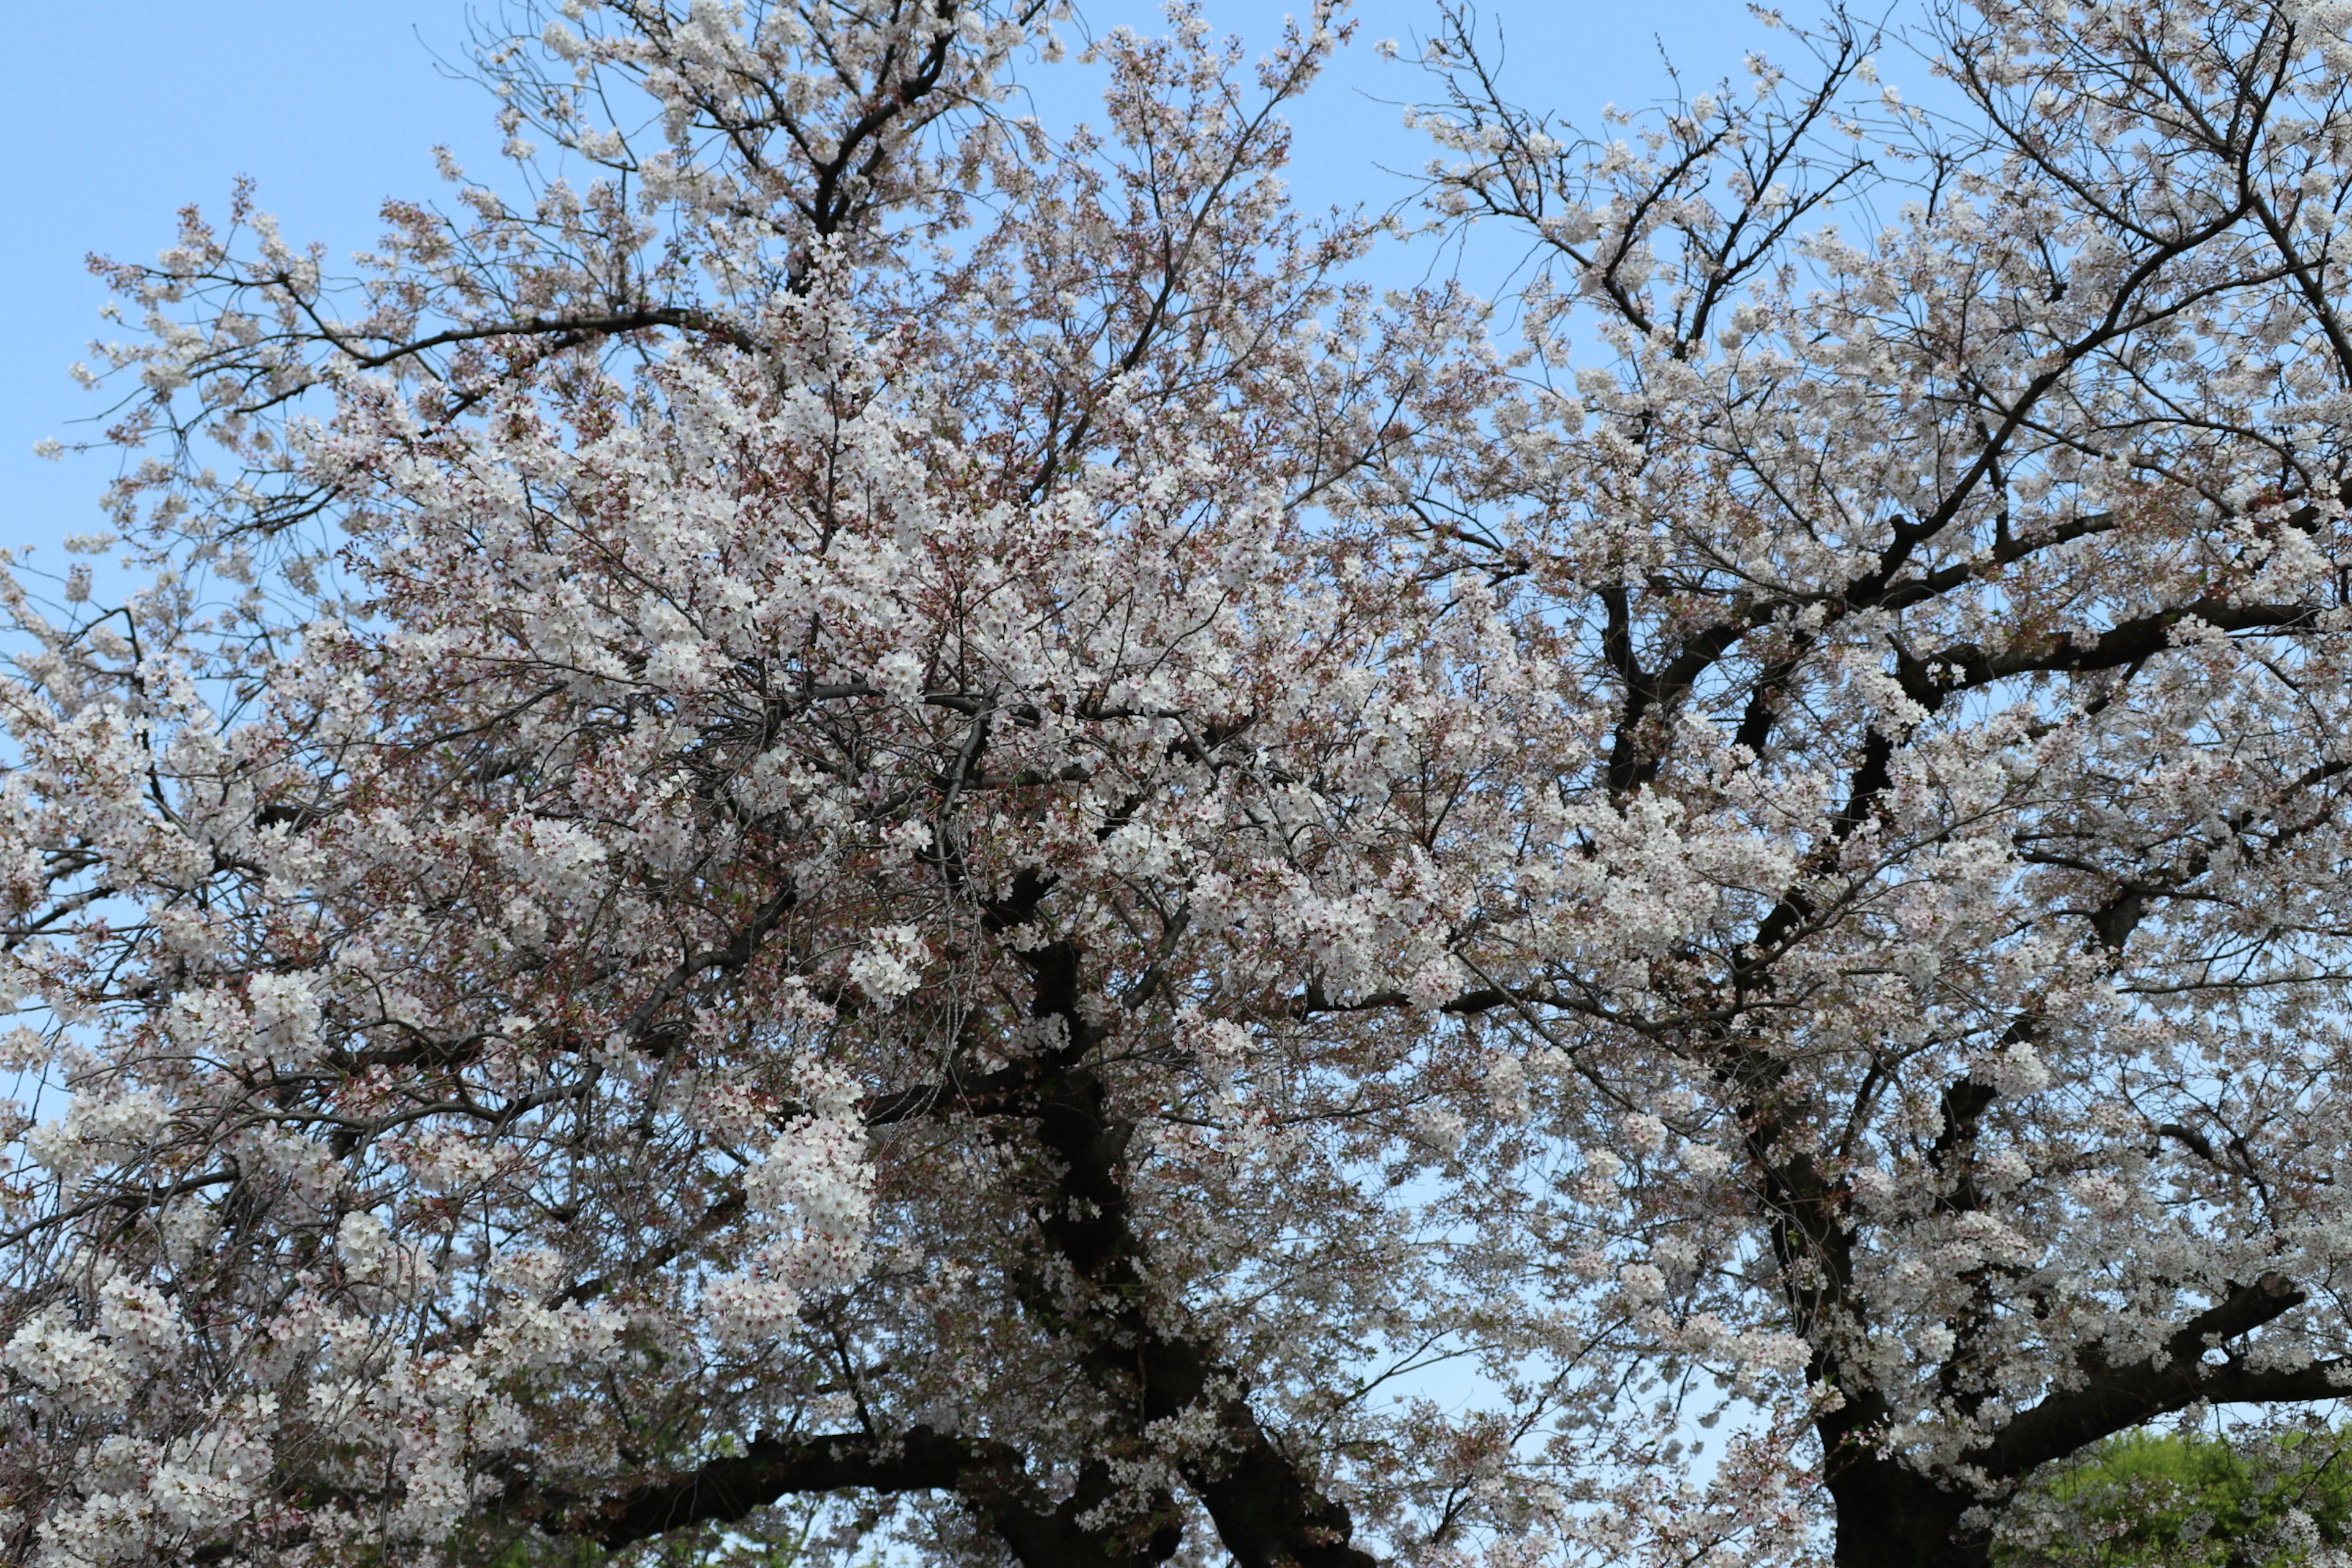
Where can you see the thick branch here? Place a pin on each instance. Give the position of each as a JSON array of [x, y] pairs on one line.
[[2117, 1398], [987, 1475], [728, 1489]]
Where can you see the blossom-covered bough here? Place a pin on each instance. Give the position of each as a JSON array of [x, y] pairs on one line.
[[884, 829]]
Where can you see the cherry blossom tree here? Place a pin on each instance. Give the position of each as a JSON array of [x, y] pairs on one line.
[[586, 912], [874, 826], [1952, 529]]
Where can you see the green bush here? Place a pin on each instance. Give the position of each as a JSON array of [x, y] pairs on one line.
[[2146, 1500]]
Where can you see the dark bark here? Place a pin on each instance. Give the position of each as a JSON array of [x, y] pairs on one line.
[[987, 1476], [2112, 1399], [1889, 1516], [728, 1489]]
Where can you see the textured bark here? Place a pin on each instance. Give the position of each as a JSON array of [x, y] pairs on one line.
[[986, 1474], [1892, 1516], [728, 1489]]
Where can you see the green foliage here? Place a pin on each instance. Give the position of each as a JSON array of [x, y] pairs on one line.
[[2146, 1500]]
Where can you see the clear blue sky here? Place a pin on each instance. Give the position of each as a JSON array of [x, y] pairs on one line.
[[122, 111]]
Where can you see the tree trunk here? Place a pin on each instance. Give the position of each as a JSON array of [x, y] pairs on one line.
[[1889, 1516]]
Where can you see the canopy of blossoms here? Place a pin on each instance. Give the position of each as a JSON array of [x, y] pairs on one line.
[[885, 828]]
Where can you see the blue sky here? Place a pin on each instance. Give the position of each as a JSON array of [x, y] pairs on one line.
[[123, 111]]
